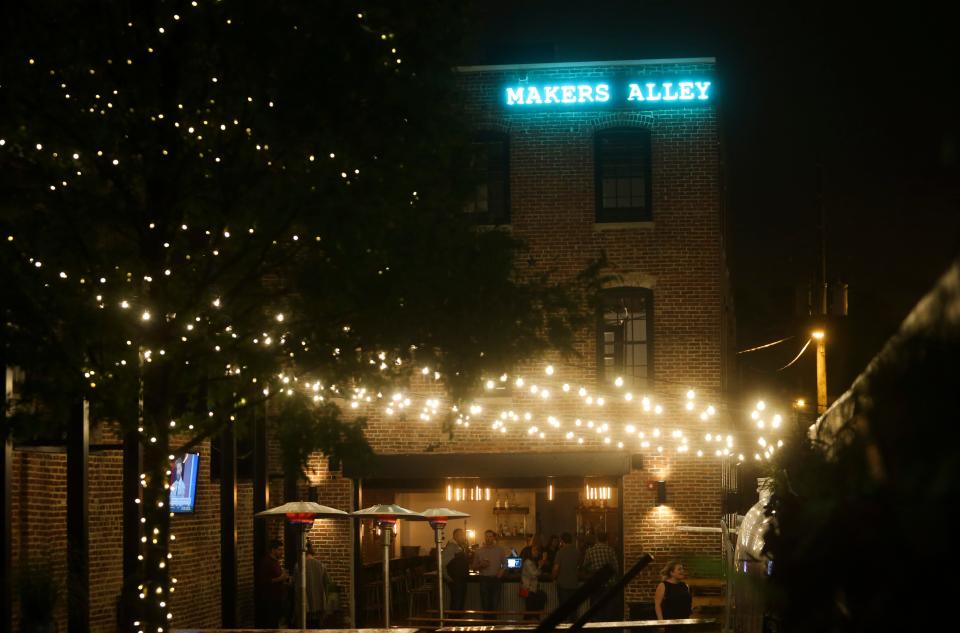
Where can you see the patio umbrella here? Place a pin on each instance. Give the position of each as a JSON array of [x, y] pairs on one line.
[[303, 513], [438, 518], [386, 516]]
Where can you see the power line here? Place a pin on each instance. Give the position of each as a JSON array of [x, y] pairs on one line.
[[759, 347], [797, 357]]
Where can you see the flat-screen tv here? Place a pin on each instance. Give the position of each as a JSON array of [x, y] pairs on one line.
[[183, 482]]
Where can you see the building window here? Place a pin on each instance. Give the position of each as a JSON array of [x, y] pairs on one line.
[[623, 175], [625, 337], [490, 202]]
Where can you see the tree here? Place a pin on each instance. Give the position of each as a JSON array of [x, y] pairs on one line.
[[206, 205]]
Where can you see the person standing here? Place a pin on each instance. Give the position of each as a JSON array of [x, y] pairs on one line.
[[601, 555], [565, 565], [672, 599], [316, 590], [271, 580], [456, 569], [178, 488], [489, 562], [533, 562]]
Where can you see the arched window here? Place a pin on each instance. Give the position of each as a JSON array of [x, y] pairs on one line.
[[625, 337], [623, 184]]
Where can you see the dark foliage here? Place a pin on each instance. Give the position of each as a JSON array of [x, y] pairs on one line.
[[866, 533]]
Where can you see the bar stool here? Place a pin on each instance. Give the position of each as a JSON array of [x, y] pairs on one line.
[[419, 593], [373, 601], [398, 593]]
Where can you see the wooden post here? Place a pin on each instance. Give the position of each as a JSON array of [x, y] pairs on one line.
[[78, 534], [821, 372], [228, 528], [261, 494], [6, 515]]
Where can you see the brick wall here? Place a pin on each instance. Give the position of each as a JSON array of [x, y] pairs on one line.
[[40, 528], [106, 538]]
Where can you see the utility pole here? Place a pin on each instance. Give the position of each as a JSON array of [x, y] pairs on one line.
[[820, 338]]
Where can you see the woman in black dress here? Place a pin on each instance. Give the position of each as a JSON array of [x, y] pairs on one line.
[[672, 599]]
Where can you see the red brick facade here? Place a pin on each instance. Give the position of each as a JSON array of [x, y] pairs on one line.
[[678, 255]]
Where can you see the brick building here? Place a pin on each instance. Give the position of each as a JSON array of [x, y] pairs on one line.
[[620, 159], [582, 160]]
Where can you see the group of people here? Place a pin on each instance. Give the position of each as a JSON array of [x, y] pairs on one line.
[[561, 562], [278, 594]]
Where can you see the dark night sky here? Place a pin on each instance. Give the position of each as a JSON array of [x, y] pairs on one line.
[[865, 94]]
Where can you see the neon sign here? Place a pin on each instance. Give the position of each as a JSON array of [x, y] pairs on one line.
[[686, 91]]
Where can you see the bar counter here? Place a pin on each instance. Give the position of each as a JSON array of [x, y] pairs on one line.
[[510, 599]]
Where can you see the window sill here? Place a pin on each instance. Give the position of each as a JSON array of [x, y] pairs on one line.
[[616, 226], [494, 227]]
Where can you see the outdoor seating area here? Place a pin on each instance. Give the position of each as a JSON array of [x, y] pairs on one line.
[[412, 592]]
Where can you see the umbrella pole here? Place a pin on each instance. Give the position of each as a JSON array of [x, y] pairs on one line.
[[387, 533], [303, 575], [437, 528]]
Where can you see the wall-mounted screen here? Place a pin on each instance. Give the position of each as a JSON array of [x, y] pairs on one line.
[[183, 482]]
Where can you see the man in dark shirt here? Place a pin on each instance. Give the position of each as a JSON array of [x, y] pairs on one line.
[[456, 566], [270, 583], [490, 560], [565, 568]]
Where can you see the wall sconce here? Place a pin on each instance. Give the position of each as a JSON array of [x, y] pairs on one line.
[[549, 491], [661, 492]]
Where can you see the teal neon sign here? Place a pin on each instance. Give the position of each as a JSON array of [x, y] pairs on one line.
[[685, 91]]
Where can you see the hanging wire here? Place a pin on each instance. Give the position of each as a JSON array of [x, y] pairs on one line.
[[759, 347], [797, 357]]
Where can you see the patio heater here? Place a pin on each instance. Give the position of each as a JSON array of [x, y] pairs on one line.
[[386, 516], [438, 518], [303, 513]]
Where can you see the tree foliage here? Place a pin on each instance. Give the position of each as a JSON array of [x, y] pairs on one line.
[[205, 205]]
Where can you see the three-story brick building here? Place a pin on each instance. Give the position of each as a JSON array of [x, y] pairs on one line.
[[620, 160]]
